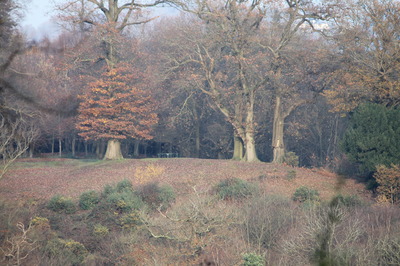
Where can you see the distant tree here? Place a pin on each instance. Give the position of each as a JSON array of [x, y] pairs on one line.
[[368, 42], [388, 179], [373, 137], [115, 107]]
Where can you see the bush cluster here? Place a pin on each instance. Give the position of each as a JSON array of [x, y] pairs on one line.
[[291, 159], [88, 200], [305, 194], [60, 203], [252, 259], [234, 189]]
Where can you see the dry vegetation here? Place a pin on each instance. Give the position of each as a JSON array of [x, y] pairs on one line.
[[43, 178], [197, 227]]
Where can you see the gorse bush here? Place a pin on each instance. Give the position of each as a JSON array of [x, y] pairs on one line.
[[100, 230], [88, 199], [291, 159], [347, 200], [60, 203], [124, 185], [303, 194], [124, 201], [291, 174], [252, 259], [235, 188], [70, 252], [156, 196]]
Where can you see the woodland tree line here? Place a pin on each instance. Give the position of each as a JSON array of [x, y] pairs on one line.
[[244, 79]]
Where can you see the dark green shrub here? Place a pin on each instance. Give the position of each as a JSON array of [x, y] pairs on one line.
[[100, 230], [108, 189], [304, 193], [124, 185], [252, 259], [66, 250], [130, 220], [60, 203], [291, 174], [291, 159], [372, 138], [235, 188], [124, 201], [88, 199], [346, 200], [156, 196]]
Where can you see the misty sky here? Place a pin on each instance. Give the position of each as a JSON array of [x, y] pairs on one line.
[[37, 18]]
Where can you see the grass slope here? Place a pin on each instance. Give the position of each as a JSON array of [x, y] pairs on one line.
[[43, 178]]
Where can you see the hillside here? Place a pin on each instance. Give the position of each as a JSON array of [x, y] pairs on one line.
[[43, 178], [169, 212]]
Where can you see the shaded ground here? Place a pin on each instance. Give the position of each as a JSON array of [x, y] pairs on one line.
[[43, 178]]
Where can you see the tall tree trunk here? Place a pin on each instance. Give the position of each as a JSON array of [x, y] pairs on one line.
[[52, 144], [250, 142], [136, 148], [197, 140], [113, 151], [73, 144], [237, 148], [278, 143], [59, 147], [86, 148], [31, 149]]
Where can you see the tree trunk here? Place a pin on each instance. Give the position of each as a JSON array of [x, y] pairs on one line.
[[52, 144], [136, 148], [86, 148], [113, 150], [197, 141], [250, 142], [251, 154], [73, 144], [278, 144], [237, 148], [31, 149], [59, 147]]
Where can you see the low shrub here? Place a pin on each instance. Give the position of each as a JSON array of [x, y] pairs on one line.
[[304, 193], [130, 220], [347, 200], [291, 159], [252, 259], [124, 185], [70, 252], [156, 196], [235, 188], [291, 174], [100, 230], [88, 199], [60, 204], [124, 201]]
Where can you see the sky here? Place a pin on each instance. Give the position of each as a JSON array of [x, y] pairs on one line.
[[37, 21]]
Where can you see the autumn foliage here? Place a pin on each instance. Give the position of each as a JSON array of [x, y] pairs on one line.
[[115, 107], [388, 179]]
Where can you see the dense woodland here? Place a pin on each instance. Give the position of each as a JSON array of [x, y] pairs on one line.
[[291, 82], [248, 80]]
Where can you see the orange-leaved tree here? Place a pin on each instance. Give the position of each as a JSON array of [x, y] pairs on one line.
[[115, 107]]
